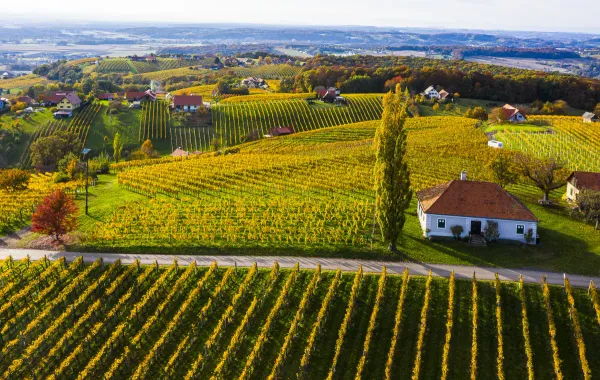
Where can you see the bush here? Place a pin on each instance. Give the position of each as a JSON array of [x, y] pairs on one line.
[[457, 230], [529, 236], [491, 232]]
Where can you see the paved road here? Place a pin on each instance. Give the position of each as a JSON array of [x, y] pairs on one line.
[[440, 270]]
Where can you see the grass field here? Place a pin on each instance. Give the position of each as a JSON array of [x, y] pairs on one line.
[[196, 322], [275, 189]]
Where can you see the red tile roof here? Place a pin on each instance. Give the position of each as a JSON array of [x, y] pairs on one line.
[[187, 100], [474, 199], [57, 96], [106, 96], [281, 131], [585, 180], [25, 99], [509, 111], [179, 153]]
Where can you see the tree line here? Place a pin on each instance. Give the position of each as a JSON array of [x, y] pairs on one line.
[[358, 74]]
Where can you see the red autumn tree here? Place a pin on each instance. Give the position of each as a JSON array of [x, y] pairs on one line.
[[56, 215]]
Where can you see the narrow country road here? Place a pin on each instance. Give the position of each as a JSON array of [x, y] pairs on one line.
[[440, 270]]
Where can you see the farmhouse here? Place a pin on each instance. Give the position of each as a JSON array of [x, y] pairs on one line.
[[64, 101], [513, 114], [8, 75], [578, 181], [589, 117], [431, 93], [472, 205], [253, 82], [134, 96], [280, 131], [25, 99], [444, 95], [106, 96], [328, 95], [187, 103]]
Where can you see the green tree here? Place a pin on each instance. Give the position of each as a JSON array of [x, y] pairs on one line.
[[117, 147], [503, 171], [547, 174], [49, 150], [392, 182], [480, 113], [588, 202]]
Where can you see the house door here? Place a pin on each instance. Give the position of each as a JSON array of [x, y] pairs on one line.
[[475, 227]]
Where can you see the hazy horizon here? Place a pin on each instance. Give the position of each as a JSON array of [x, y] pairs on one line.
[[513, 15]]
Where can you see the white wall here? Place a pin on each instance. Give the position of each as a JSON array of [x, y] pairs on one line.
[[507, 228], [571, 192]]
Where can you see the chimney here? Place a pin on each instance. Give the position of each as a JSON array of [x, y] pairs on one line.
[[463, 175]]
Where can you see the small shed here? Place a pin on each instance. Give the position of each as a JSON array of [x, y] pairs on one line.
[[63, 114], [589, 117], [496, 144]]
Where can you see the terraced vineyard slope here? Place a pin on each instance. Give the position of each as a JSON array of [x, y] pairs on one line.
[[72, 321]]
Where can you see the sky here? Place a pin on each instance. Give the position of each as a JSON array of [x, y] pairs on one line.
[[536, 15]]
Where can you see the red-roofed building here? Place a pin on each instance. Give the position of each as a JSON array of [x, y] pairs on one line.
[[512, 114], [187, 103], [280, 131], [25, 99], [137, 96], [63, 100], [179, 153], [471, 205], [578, 181], [106, 96]]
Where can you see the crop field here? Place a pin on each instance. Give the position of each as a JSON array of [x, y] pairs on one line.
[[166, 74], [23, 82], [268, 71], [114, 65], [16, 207], [79, 125], [279, 189], [69, 320], [154, 120], [234, 120], [569, 139]]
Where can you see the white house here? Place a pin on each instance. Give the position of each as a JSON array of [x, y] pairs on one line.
[[471, 204], [578, 181], [431, 93], [513, 114]]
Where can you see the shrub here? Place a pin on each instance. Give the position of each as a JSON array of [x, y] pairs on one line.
[[491, 232], [529, 236], [457, 230]]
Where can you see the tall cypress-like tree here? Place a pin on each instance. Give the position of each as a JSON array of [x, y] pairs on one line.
[[392, 182]]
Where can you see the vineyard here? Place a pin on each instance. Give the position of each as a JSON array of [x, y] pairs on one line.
[[277, 192], [567, 138], [79, 125], [23, 82], [154, 120], [268, 71], [16, 207], [66, 320], [114, 65], [234, 120]]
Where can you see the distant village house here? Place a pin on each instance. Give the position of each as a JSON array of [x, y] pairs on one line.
[[280, 131], [513, 114], [187, 103]]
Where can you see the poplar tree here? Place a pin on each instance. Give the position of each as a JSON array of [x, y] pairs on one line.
[[117, 147], [392, 182]]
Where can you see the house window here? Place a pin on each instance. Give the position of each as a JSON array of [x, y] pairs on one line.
[[441, 223], [571, 191], [520, 229]]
